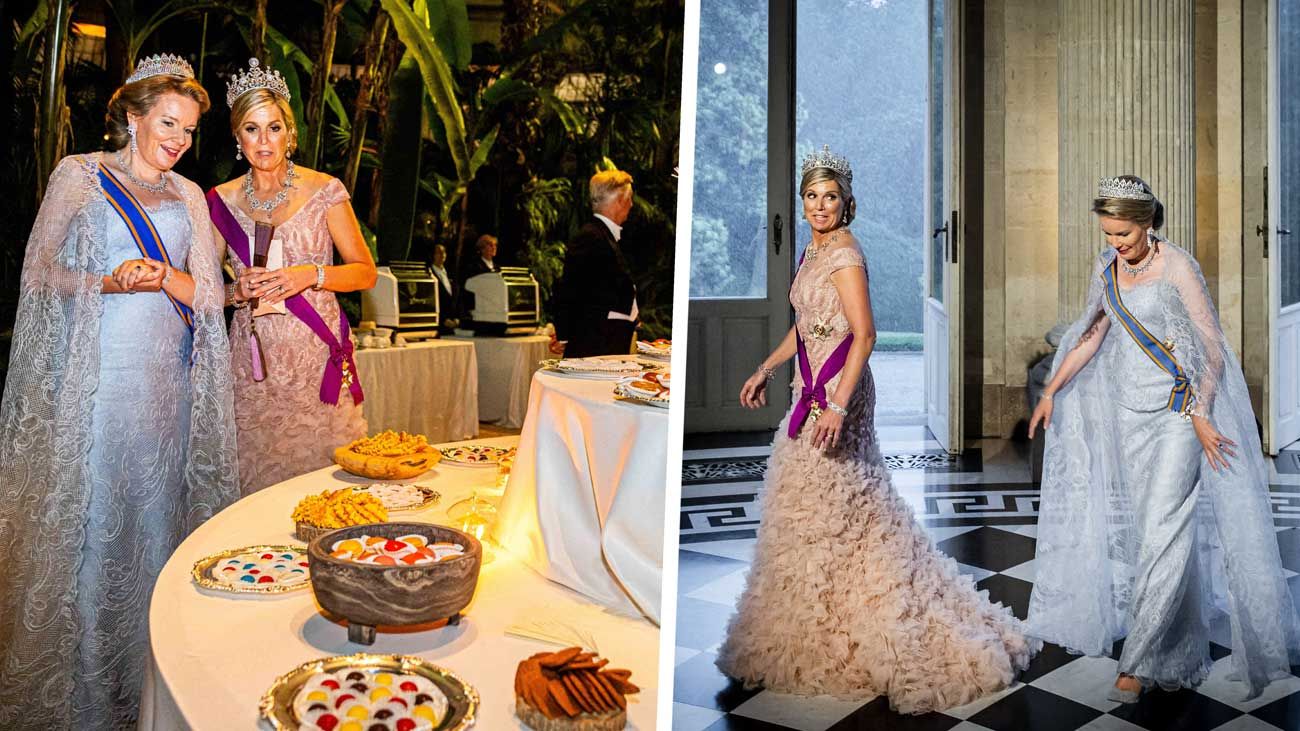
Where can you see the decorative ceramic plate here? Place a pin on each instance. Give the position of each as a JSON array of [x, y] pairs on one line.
[[399, 498], [474, 455], [623, 393], [655, 349], [254, 570], [443, 690]]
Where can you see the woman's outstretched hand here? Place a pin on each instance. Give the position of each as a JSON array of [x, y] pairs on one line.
[[1042, 413], [753, 395], [1215, 444], [826, 430]]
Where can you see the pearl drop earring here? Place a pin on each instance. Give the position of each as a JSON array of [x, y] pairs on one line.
[[239, 152]]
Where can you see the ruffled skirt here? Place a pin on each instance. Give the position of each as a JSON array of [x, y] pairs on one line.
[[847, 596]]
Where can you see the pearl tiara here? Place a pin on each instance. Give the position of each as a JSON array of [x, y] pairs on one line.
[[255, 78], [1123, 188], [824, 158], [163, 64]]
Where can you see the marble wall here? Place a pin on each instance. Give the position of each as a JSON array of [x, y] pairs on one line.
[[1022, 136]]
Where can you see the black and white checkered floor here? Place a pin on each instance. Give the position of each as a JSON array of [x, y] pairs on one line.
[[982, 510]]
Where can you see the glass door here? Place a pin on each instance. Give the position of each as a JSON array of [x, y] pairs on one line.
[[1283, 235], [742, 214]]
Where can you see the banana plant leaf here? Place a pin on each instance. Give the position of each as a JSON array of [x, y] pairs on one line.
[[438, 82]]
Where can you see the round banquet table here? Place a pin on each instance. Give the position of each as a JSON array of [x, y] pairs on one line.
[[585, 503], [505, 371], [214, 654], [428, 388]]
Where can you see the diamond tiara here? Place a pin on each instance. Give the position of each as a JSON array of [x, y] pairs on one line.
[[256, 78], [824, 158], [163, 64], [1123, 188]]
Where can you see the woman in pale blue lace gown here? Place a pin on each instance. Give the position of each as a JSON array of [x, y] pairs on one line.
[[116, 430], [1155, 520]]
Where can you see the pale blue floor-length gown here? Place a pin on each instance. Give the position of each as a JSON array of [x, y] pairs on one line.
[[140, 429]]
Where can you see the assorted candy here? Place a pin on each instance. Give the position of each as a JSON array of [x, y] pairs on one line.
[[369, 699], [475, 454], [262, 569], [412, 550]]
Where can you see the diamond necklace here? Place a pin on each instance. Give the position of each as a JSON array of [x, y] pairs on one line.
[[814, 250], [1150, 259], [155, 188], [278, 200]]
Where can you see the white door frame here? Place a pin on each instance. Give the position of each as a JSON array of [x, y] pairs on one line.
[[943, 322]]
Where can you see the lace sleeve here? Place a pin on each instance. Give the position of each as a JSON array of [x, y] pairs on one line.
[[1204, 358], [334, 193], [845, 257]]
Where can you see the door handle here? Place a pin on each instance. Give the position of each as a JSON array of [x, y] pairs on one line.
[[776, 233], [942, 230], [1284, 232]]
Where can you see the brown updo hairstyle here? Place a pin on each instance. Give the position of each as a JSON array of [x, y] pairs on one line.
[[254, 100], [138, 98], [822, 175], [1151, 212]]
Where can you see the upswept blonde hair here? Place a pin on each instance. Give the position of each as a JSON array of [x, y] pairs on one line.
[[822, 175], [1150, 212], [139, 97]]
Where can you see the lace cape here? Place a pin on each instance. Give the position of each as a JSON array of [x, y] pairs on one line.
[[46, 431], [1087, 545]]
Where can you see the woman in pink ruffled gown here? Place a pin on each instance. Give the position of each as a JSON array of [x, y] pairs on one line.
[[309, 401], [847, 595]]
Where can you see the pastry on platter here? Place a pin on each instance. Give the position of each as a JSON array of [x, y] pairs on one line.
[[571, 690], [388, 455], [332, 509], [400, 496]]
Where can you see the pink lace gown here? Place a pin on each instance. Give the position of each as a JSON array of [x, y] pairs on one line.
[[847, 596], [284, 429]]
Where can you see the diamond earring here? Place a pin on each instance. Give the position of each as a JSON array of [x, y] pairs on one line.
[[239, 152], [130, 130]]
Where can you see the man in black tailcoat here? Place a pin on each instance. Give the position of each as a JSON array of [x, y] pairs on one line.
[[594, 308]]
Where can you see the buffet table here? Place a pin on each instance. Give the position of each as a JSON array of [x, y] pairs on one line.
[[585, 504], [428, 388], [215, 654], [505, 370]]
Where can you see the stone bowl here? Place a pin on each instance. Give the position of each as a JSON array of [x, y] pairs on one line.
[[367, 595]]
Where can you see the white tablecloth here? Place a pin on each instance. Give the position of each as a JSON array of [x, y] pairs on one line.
[[214, 654], [428, 388], [505, 371], [585, 505]]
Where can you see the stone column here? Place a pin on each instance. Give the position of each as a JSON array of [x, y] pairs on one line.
[[1126, 105]]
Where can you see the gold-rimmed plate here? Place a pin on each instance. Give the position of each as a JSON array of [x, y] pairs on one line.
[[622, 394], [203, 576], [462, 699], [572, 368], [429, 497]]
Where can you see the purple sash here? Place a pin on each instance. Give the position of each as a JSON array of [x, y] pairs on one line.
[[814, 392], [340, 369]]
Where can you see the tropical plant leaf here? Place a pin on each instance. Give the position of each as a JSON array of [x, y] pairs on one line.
[[417, 38], [35, 24], [481, 152], [449, 21]]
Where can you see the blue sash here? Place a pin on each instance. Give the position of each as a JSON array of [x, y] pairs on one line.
[[1181, 399], [142, 230]]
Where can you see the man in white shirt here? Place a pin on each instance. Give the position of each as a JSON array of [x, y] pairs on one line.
[[446, 289], [595, 309]]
